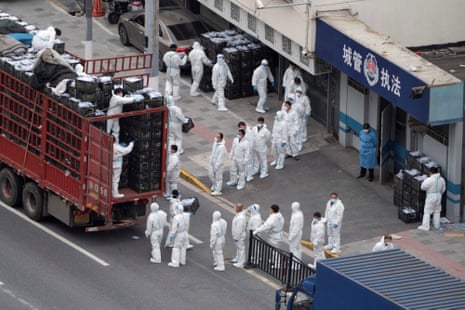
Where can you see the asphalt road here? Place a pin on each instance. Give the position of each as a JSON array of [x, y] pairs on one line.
[[38, 271]]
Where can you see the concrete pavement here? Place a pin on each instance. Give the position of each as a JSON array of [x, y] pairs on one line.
[[324, 167]]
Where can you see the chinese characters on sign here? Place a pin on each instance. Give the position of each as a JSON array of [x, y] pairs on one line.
[[368, 66]]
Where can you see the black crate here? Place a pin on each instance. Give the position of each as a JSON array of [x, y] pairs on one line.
[[143, 187], [407, 215], [85, 85], [133, 84]]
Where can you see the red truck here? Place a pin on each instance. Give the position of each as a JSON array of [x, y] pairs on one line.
[[56, 161]]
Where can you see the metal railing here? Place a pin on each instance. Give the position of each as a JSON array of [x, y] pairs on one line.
[[276, 262]]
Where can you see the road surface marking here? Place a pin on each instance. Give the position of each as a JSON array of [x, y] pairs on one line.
[[192, 238], [55, 235], [11, 294]]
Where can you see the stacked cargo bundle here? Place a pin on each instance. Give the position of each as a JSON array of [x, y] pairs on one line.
[[246, 67], [143, 166], [409, 203]]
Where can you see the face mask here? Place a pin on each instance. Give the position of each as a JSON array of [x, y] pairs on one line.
[[333, 201], [314, 221], [366, 130], [259, 125], [239, 137], [215, 139]]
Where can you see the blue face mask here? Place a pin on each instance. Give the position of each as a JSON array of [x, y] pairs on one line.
[[333, 201], [259, 125]]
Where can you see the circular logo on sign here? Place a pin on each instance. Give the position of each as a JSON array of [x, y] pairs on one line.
[[370, 69]]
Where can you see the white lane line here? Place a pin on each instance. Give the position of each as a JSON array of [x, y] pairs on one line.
[[11, 294], [56, 236], [192, 238]]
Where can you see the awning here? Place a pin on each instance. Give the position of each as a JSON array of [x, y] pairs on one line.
[[409, 81]]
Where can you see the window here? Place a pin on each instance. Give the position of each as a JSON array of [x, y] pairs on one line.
[[251, 22], [187, 31], [235, 12], [219, 4], [140, 20], [269, 33], [287, 45]]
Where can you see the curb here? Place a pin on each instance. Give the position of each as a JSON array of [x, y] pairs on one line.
[[309, 245], [193, 180]]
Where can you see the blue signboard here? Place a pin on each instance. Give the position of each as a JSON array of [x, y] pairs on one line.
[[373, 71]]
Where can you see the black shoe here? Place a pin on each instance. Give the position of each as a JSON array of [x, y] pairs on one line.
[[288, 156], [370, 180], [296, 158], [360, 176]]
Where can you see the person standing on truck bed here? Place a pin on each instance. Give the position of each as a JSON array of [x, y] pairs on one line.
[[334, 213], [172, 171], [116, 107], [118, 152]]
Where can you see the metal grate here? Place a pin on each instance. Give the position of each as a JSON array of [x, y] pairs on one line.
[[269, 34], [251, 22], [219, 4], [235, 12], [287, 45]]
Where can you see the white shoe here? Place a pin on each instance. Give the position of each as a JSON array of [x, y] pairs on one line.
[[249, 179], [212, 188], [190, 247], [234, 260], [231, 183], [422, 228], [311, 266], [118, 195], [328, 247], [279, 167], [177, 98], [195, 94], [155, 261], [240, 188], [273, 163], [237, 265], [262, 176], [335, 251], [223, 110], [260, 111], [173, 265], [218, 268], [215, 193]]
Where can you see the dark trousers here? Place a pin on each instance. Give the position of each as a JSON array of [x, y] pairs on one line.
[[371, 172]]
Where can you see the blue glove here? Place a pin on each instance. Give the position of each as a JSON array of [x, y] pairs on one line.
[[335, 226], [307, 116], [272, 84], [137, 99], [283, 144], [191, 214], [254, 88], [171, 238]]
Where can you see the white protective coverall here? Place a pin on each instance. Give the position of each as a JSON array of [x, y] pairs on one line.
[[220, 75], [434, 186], [239, 235], [260, 77], [240, 157], [179, 237], [154, 230], [215, 169], [273, 225], [255, 219], [172, 173], [116, 107], [288, 78], [250, 167], [198, 58], [217, 240], [279, 140], [333, 214], [381, 245], [292, 123], [261, 139], [296, 225], [318, 239], [173, 61], [176, 119], [118, 152], [304, 111], [44, 39]]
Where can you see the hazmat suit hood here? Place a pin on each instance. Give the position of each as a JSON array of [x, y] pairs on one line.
[[295, 206], [254, 209], [264, 63], [196, 45], [280, 115], [299, 89], [154, 207], [216, 216], [220, 58], [169, 101]]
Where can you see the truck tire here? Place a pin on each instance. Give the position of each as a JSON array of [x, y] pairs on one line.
[[10, 187], [33, 201]]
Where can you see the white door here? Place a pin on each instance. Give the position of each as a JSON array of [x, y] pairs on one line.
[[385, 159]]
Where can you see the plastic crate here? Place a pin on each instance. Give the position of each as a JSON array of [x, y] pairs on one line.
[[408, 215]]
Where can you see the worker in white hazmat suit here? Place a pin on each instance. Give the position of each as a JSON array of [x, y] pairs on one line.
[[292, 123], [220, 75], [288, 78], [296, 225], [304, 112], [173, 60], [198, 58], [176, 119], [255, 221], [116, 107], [240, 156], [45, 38], [260, 77], [215, 169], [118, 152], [249, 136], [334, 214], [262, 137], [178, 236], [279, 140], [154, 230], [273, 226], [384, 244], [434, 186], [239, 235], [317, 238], [173, 170], [217, 240]]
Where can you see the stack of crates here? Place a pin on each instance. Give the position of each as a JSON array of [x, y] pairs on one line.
[[232, 56], [407, 210], [397, 199], [247, 68], [143, 165]]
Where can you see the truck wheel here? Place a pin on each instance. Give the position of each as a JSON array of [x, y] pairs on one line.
[[123, 35], [33, 201], [10, 187]]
